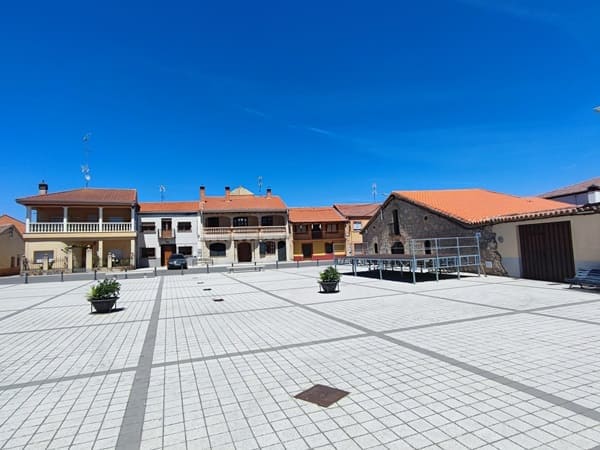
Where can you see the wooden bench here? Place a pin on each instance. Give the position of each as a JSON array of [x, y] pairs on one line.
[[585, 277], [245, 269]]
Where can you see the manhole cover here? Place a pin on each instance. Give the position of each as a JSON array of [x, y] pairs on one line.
[[200, 282], [207, 289], [322, 395], [217, 299]]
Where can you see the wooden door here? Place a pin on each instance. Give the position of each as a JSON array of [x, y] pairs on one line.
[[166, 252], [546, 251], [281, 251], [244, 252]]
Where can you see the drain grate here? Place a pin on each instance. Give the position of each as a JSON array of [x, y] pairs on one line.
[[218, 299], [207, 289], [322, 395]]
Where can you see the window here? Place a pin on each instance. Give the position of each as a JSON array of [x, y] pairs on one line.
[[396, 223], [240, 221], [428, 247], [184, 227], [217, 249], [300, 228], [267, 248], [266, 221], [212, 222], [148, 252], [185, 251], [328, 247], [375, 248], [148, 227], [38, 257], [331, 227], [357, 225], [358, 249], [398, 248]]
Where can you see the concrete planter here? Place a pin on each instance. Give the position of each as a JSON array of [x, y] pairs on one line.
[[328, 287], [104, 305]]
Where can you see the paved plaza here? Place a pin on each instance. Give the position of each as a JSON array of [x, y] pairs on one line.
[[476, 362]]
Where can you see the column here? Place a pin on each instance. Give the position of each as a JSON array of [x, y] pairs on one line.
[[28, 219], [132, 262], [133, 218], [65, 217], [100, 229], [100, 248], [88, 258], [70, 258]]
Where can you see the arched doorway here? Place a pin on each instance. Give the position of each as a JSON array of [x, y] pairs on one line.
[[244, 252]]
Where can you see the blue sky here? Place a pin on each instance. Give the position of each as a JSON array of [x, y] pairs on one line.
[[321, 99]]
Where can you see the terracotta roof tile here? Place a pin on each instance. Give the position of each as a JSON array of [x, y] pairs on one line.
[[5, 219], [88, 196], [315, 214], [364, 210], [574, 188], [243, 203], [152, 207], [478, 205]]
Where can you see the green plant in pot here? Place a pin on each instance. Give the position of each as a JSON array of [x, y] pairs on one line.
[[104, 295], [329, 280]]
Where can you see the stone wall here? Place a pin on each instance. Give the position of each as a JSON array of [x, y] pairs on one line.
[[416, 222]]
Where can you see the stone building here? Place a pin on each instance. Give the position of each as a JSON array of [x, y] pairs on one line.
[[12, 246], [407, 215]]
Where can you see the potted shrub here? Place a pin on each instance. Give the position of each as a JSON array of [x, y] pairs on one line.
[[329, 279], [104, 295]]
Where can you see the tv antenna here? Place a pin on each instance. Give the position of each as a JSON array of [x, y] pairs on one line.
[[260, 183], [162, 190], [374, 191], [85, 168]]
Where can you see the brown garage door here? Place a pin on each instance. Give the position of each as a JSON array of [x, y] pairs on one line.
[[546, 251]]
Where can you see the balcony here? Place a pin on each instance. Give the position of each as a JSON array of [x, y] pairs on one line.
[[244, 233], [79, 227]]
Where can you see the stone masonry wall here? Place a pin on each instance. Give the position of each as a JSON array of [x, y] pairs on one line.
[[419, 223]]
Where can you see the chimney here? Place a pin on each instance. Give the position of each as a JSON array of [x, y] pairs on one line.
[[202, 193], [268, 192], [43, 188], [227, 193]]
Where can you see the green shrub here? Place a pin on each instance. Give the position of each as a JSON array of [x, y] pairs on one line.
[[330, 274], [107, 288]]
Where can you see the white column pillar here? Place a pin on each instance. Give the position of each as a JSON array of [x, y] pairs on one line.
[[100, 219], [132, 262], [88, 258], [28, 219], [133, 218], [100, 251], [65, 217]]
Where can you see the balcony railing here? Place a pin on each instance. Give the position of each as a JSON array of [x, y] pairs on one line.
[[79, 227], [243, 233]]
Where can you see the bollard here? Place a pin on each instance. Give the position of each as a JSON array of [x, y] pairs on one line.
[[62, 276], [125, 272], [26, 278], [182, 271], [207, 269], [95, 274], [155, 271], [317, 263], [277, 264], [297, 264]]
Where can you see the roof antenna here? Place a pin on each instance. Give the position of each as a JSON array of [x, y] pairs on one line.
[[374, 192], [260, 183], [162, 190], [85, 169]]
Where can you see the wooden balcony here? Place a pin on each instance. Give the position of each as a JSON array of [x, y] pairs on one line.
[[79, 227], [243, 233]]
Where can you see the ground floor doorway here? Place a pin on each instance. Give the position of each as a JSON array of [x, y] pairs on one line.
[[165, 252], [281, 251], [244, 252], [547, 251]]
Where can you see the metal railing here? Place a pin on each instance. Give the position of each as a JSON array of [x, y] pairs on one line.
[[79, 227], [228, 233]]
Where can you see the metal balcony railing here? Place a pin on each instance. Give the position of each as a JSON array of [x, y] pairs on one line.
[[79, 227]]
